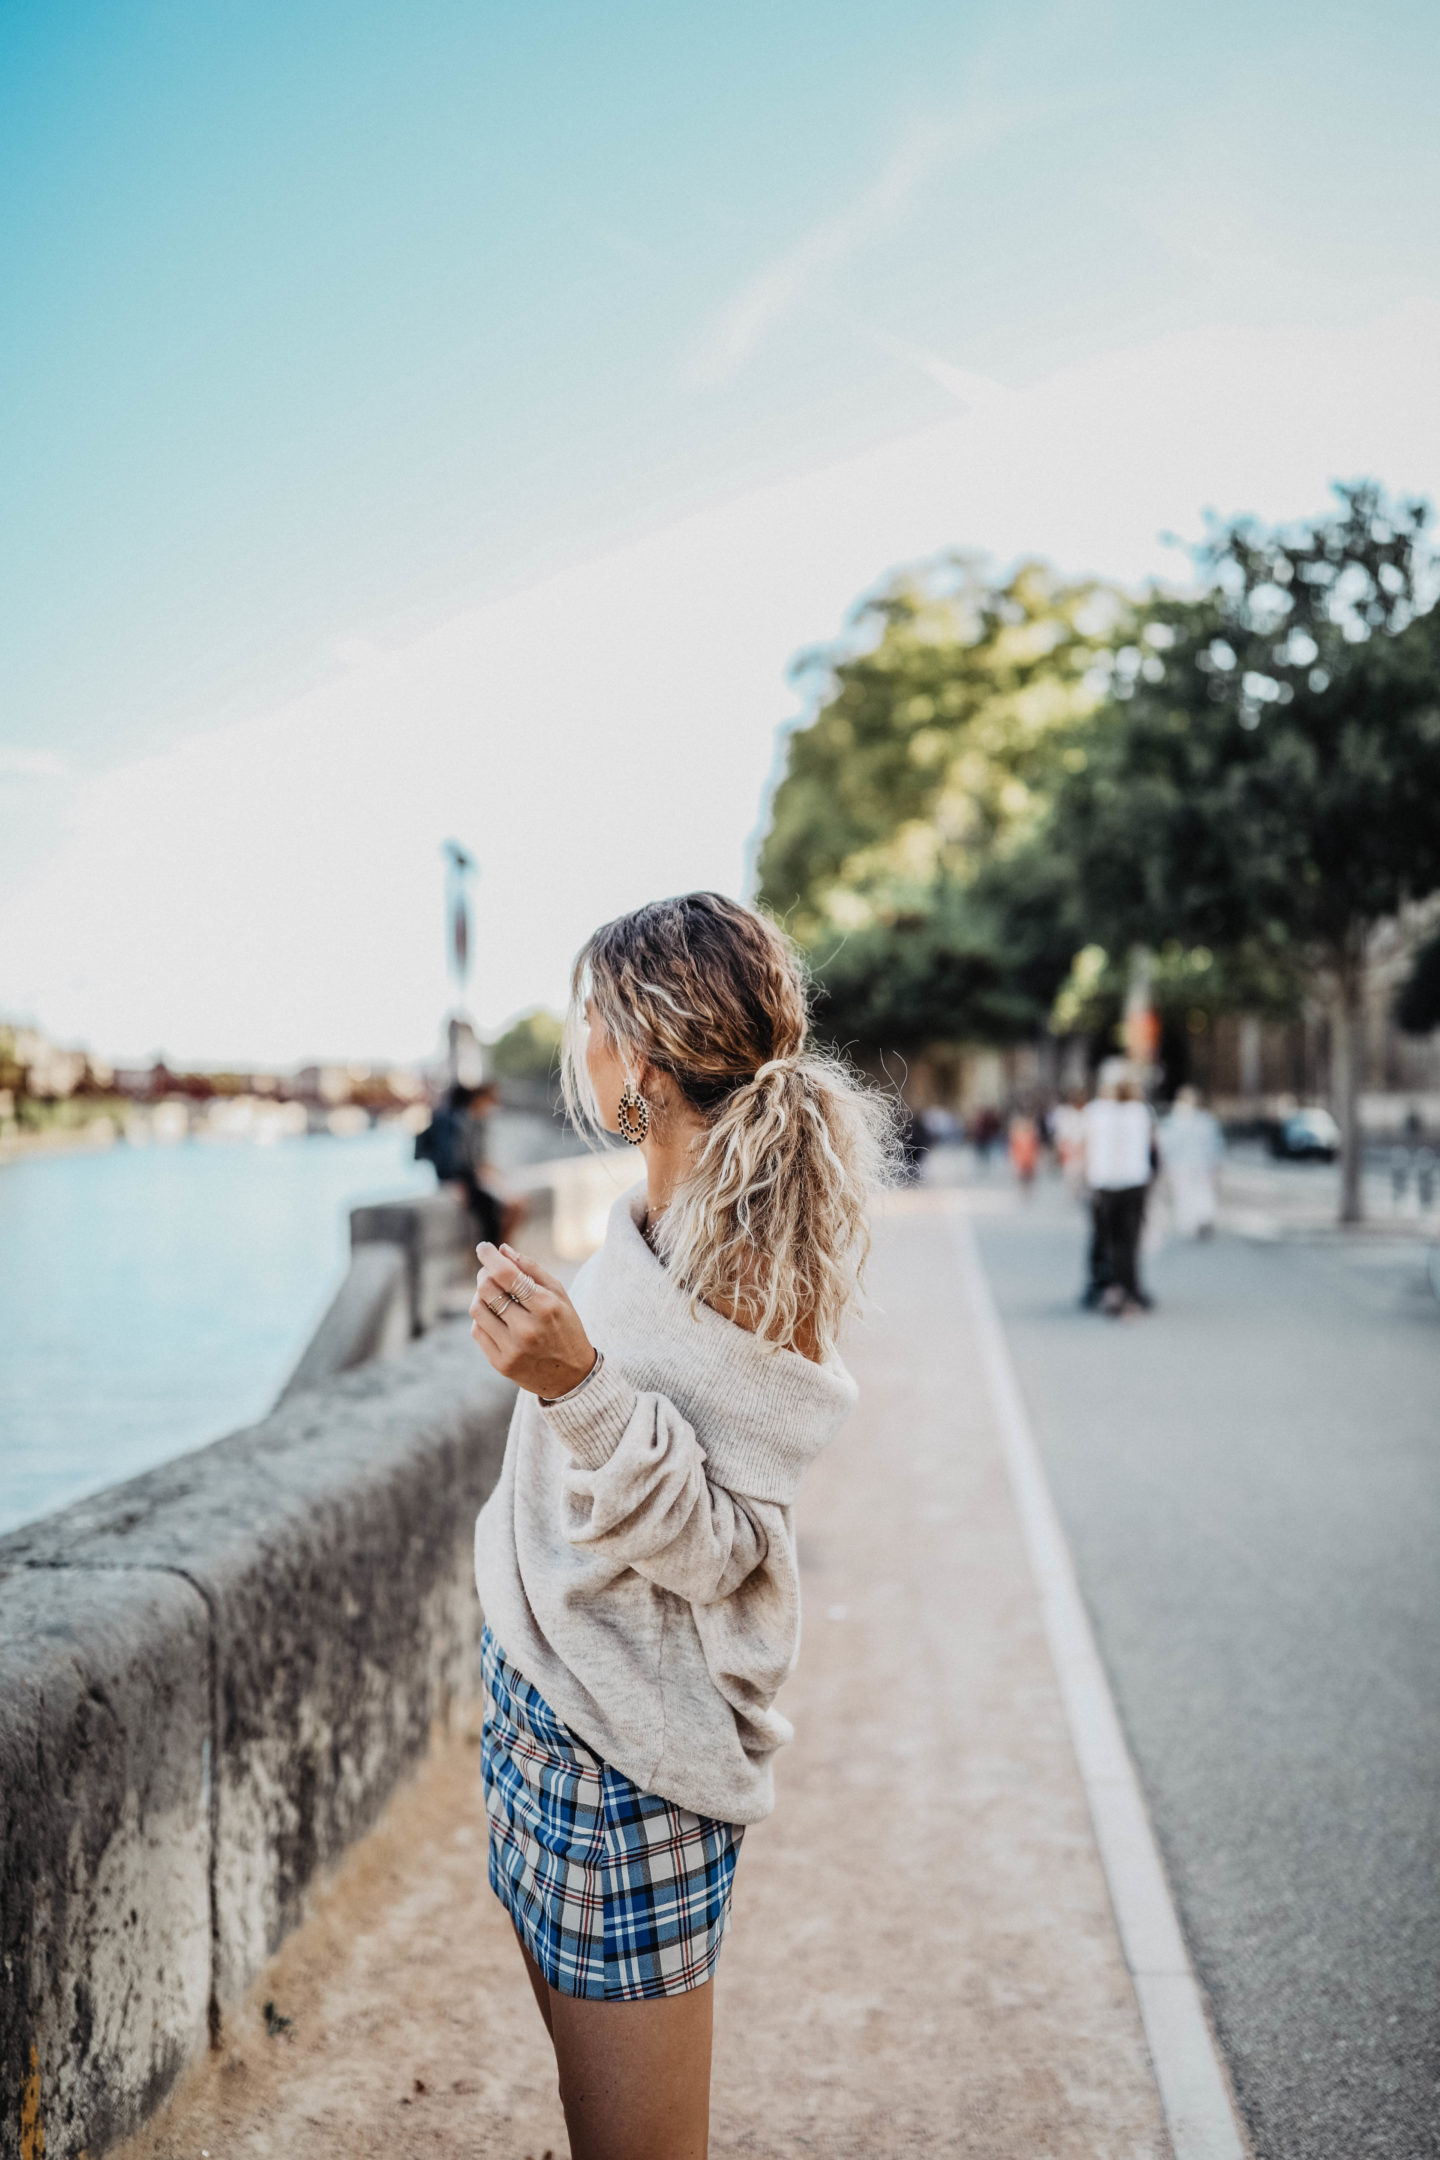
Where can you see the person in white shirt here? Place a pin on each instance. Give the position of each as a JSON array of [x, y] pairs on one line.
[[1191, 1146], [1119, 1164]]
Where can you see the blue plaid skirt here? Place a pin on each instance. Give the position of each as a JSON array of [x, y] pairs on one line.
[[617, 1894]]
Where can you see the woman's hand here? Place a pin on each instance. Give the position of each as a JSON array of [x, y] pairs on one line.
[[536, 1338]]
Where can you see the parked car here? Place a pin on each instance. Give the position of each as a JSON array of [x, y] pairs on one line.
[[1306, 1136]]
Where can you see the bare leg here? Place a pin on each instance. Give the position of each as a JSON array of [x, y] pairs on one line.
[[539, 1987], [635, 2076]]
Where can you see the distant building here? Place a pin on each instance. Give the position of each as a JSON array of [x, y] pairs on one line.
[[51, 1074]]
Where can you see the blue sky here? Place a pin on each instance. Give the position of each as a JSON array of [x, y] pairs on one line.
[[321, 326]]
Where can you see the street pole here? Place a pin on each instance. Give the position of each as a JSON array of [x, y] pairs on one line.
[[466, 1059], [1142, 1025]]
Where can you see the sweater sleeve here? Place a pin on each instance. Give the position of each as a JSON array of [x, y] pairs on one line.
[[637, 1489]]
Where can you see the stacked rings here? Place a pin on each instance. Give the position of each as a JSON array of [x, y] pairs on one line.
[[520, 1293]]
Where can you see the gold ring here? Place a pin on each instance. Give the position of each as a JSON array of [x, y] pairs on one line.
[[498, 1308], [523, 1289]]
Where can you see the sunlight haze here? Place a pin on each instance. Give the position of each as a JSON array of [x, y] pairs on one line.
[[439, 421]]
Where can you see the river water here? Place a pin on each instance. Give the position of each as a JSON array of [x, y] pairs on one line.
[[154, 1298]]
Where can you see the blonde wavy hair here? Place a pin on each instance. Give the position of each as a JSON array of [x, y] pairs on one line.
[[770, 1222]]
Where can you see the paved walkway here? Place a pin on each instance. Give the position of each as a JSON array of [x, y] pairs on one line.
[[1271, 1201], [923, 1960]]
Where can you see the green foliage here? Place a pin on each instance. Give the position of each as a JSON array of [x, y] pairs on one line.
[[1417, 1008], [529, 1049], [1265, 781], [1002, 777], [926, 768], [1189, 987], [71, 1113], [1266, 776], [911, 980]]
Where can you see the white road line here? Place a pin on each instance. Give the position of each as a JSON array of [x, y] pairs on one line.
[[1194, 2089]]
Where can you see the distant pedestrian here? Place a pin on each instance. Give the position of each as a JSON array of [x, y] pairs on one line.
[[939, 1127], [1399, 1174], [1024, 1142], [1191, 1146], [456, 1144], [1119, 1164], [984, 1130]]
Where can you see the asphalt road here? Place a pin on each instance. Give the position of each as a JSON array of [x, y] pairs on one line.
[[1250, 1479]]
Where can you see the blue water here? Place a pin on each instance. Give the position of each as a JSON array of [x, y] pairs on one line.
[[154, 1298]]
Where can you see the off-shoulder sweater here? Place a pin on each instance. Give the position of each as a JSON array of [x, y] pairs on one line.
[[636, 1560]]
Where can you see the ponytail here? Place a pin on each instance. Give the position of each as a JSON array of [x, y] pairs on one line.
[[770, 1223]]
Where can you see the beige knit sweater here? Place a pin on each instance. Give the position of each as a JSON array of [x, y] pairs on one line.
[[637, 1558]]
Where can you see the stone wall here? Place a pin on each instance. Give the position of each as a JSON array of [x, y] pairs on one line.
[[210, 1680], [212, 1677]]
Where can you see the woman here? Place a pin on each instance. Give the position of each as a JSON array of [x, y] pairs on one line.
[[1191, 1148], [637, 1561], [1024, 1140]]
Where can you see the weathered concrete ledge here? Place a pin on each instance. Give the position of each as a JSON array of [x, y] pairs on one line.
[[412, 1261], [210, 1679], [369, 1317], [105, 1842]]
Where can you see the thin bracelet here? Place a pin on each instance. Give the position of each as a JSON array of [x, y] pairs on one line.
[[548, 1402]]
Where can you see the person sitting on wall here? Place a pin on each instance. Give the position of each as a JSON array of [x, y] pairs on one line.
[[455, 1142]]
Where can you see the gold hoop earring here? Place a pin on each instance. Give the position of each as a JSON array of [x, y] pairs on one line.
[[633, 1116]]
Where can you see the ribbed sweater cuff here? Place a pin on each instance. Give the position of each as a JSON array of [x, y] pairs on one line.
[[593, 1423]]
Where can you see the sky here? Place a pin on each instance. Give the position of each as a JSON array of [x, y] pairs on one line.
[[454, 420]]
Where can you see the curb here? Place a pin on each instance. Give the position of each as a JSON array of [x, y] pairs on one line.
[[1193, 2085]]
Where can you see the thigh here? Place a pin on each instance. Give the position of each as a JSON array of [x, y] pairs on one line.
[[491, 1215], [635, 2076], [539, 1985]]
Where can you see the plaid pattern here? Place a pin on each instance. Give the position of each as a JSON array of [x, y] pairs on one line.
[[616, 1893]]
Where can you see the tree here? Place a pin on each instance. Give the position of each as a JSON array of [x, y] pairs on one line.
[[927, 763], [1267, 774], [1190, 987], [530, 1047], [1417, 1008], [954, 971]]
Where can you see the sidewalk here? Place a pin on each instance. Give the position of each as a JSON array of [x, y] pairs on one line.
[[1272, 1201], [923, 1959]]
